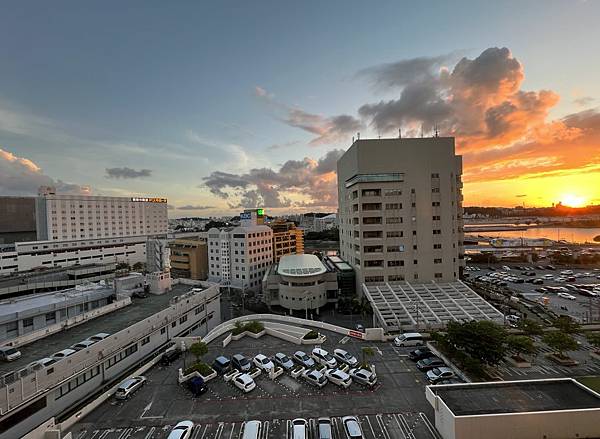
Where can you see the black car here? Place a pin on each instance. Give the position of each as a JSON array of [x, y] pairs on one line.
[[169, 357], [222, 365], [197, 386], [139, 295], [419, 354], [430, 363]]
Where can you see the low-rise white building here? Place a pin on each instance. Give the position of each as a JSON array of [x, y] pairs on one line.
[[300, 282]]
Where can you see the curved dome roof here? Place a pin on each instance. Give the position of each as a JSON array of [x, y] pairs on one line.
[[300, 265]]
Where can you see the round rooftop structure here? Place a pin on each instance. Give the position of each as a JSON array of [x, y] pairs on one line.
[[300, 266]]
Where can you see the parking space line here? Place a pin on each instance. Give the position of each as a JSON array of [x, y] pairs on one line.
[[204, 432], [370, 426], [429, 426], [266, 430], [394, 416], [219, 430], [151, 433], [81, 434], [386, 433]]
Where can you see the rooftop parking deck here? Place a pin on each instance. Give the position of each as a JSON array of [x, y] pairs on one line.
[[111, 323]]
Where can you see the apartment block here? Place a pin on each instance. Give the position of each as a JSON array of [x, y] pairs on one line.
[[189, 258], [240, 256], [287, 239], [400, 210]]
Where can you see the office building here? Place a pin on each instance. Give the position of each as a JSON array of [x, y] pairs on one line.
[[400, 210], [240, 256], [189, 258], [158, 255], [300, 283], [346, 278], [287, 239]]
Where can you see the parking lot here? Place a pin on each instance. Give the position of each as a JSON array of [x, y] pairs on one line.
[[394, 408], [581, 307]]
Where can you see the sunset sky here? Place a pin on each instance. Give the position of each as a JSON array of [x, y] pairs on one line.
[[223, 105]]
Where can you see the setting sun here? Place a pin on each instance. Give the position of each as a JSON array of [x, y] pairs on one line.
[[572, 200]]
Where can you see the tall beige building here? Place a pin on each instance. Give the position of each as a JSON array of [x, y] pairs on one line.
[[400, 210]]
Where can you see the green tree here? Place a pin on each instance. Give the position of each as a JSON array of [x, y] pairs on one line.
[[560, 342], [122, 266], [138, 266], [367, 352], [520, 344], [530, 327], [482, 340], [594, 339], [198, 350], [567, 325]]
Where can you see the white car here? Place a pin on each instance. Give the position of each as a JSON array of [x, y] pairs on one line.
[[39, 364], [303, 360], [352, 427], [263, 363], [566, 296], [548, 276], [324, 358], [339, 377], [244, 382], [299, 429], [183, 430], [567, 272], [315, 378], [63, 354], [363, 376], [506, 267], [100, 336], [129, 387], [439, 373], [82, 345], [345, 357], [8, 353]]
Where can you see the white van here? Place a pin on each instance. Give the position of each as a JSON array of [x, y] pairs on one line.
[[8, 353], [409, 339], [252, 430]]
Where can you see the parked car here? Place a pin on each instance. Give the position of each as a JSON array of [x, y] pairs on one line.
[[8, 353], [430, 363], [129, 387], [537, 281], [303, 360], [450, 381], [352, 427], [409, 339], [324, 358], [82, 345], [169, 357], [315, 378], [338, 377], [439, 373], [345, 357], [63, 354], [39, 364], [359, 327], [197, 386], [183, 430], [252, 430], [299, 429], [283, 360], [222, 365], [241, 363], [419, 354], [566, 296], [99, 336], [363, 376], [324, 428], [550, 267], [139, 295], [244, 382], [263, 363]]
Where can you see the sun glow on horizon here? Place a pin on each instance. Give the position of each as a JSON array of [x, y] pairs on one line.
[[572, 200]]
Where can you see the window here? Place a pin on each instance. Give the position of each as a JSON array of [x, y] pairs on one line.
[[163, 330], [371, 279], [371, 192], [392, 206], [372, 220], [372, 234], [371, 206], [395, 234], [394, 248], [415, 262], [395, 277], [393, 220], [437, 232], [435, 203], [436, 218], [395, 263], [145, 340], [435, 190], [392, 192], [437, 275], [437, 261], [28, 322], [437, 246], [435, 175], [376, 263]]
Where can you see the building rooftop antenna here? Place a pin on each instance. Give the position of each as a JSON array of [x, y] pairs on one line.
[[399, 133], [436, 133], [358, 136], [421, 130]]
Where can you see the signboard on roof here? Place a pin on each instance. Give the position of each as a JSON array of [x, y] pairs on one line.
[[245, 215]]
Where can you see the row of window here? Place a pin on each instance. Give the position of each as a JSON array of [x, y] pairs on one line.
[[394, 278], [76, 382]]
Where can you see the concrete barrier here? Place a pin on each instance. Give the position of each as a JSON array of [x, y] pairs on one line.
[[227, 340]]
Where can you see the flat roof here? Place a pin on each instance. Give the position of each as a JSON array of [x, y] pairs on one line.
[[407, 304], [300, 265], [112, 322], [517, 397]]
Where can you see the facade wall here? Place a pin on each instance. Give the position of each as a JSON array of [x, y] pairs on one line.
[[30, 255], [287, 240], [17, 219], [400, 210], [70, 217], [298, 293], [189, 258]]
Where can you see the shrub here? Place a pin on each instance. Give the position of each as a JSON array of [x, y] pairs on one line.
[[311, 335], [254, 326], [200, 367], [238, 328]]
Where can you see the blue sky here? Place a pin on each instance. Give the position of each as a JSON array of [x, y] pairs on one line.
[[171, 87]]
